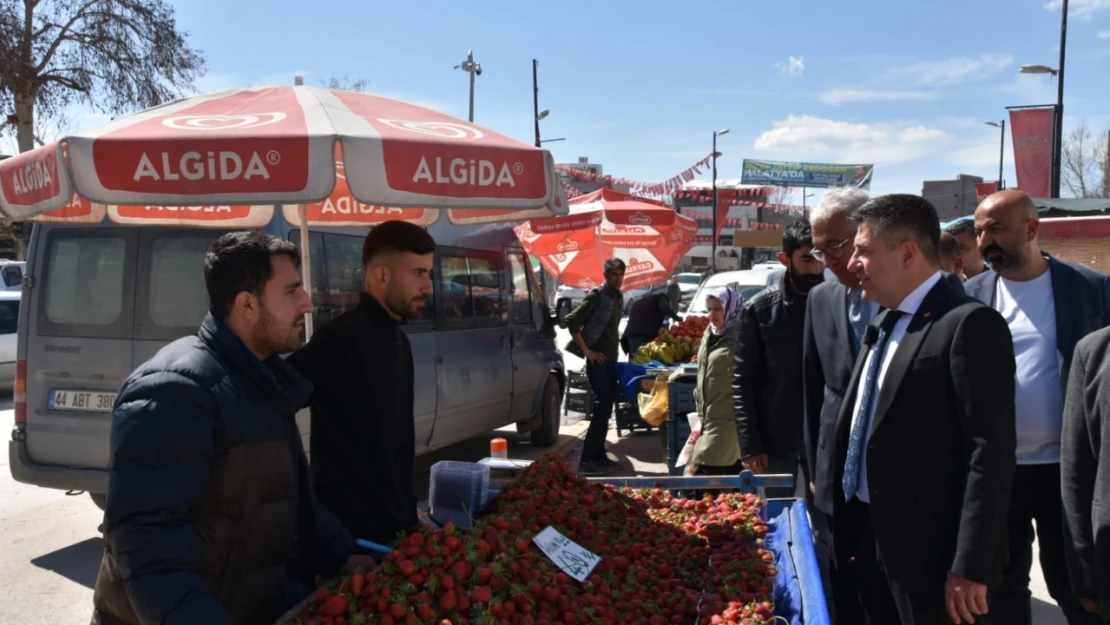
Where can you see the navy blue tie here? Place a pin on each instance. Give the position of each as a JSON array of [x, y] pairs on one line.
[[863, 420]]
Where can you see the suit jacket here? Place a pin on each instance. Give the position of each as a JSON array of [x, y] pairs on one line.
[[955, 282], [941, 454], [1086, 490], [1082, 299], [826, 370]]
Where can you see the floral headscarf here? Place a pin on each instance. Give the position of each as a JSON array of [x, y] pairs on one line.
[[731, 301]]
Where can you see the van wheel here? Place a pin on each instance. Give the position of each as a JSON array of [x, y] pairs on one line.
[[548, 432], [100, 499]]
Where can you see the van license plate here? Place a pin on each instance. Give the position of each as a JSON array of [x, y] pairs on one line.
[[82, 401]]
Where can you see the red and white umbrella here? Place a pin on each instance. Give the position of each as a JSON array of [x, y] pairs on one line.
[[324, 157], [646, 234]]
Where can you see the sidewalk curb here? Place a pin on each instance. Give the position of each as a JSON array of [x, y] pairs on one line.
[[576, 432]]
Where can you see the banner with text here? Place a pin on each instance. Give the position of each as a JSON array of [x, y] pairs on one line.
[[1033, 137], [820, 175]]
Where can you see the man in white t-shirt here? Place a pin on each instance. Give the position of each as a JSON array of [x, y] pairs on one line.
[[1049, 306]]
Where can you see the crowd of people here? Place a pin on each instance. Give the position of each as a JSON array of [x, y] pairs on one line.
[[939, 404], [936, 413]]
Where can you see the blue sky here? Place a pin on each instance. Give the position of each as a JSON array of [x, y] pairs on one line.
[[640, 86]]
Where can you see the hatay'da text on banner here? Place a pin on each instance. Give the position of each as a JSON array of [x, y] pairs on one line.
[[1033, 140], [820, 175]]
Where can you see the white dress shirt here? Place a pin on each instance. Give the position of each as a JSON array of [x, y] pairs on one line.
[[909, 308]]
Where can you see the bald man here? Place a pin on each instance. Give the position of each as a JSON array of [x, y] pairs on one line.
[[1049, 305]]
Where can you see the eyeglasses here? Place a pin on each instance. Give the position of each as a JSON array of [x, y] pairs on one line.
[[835, 251]]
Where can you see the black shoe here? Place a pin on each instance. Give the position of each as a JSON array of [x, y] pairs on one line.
[[596, 468], [609, 460]]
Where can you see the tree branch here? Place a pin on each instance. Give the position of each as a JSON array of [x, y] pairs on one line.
[[62, 35]]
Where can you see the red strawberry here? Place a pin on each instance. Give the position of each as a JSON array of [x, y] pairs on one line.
[[335, 605]]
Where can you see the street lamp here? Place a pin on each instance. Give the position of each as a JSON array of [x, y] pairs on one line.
[[713, 253], [1057, 148], [474, 69], [1001, 148]]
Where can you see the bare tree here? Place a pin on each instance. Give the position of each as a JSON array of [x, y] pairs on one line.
[[346, 84], [1083, 163], [781, 203], [115, 55]]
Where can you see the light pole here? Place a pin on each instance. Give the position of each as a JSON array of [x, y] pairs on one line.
[[1001, 149], [1058, 143], [713, 247], [474, 69]]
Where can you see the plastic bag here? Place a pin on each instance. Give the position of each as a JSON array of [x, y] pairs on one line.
[[654, 405], [687, 453]]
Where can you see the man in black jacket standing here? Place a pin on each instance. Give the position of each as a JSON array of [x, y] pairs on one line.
[[208, 490], [925, 437], [768, 364], [363, 429], [836, 317], [1085, 480], [1049, 306]]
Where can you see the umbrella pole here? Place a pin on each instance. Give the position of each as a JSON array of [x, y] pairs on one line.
[[306, 265]]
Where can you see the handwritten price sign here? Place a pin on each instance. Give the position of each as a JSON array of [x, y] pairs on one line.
[[574, 559]]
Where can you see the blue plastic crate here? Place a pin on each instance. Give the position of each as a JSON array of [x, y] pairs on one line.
[[680, 398]]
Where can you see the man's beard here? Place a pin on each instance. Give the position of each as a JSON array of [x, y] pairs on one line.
[[403, 306], [804, 282], [272, 339], [1004, 259]]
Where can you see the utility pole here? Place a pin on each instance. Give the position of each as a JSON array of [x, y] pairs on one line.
[[536, 98], [474, 69], [1058, 148]]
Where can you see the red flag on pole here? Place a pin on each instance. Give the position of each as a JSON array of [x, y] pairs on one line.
[[1033, 136]]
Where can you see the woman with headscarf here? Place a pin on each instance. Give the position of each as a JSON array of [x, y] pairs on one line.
[[717, 450]]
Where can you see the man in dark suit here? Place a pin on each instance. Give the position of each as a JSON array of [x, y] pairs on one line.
[[1049, 305], [836, 317], [1086, 436], [925, 436]]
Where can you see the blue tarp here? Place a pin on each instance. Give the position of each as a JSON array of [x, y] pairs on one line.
[[799, 594]]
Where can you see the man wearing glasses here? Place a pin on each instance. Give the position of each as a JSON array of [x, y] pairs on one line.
[[835, 320]]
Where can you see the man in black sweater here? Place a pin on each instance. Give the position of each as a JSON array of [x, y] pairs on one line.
[[363, 433]]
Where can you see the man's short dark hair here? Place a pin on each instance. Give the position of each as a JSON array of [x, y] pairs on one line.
[[949, 245], [397, 236], [963, 226], [241, 261], [796, 236], [902, 216], [614, 264]]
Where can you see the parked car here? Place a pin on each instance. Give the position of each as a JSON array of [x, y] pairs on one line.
[[572, 294], [748, 282], [102, 299], [688, 284], [11, 275], [9, 333]]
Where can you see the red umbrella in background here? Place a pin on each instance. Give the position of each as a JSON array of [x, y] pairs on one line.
[[323, 157], [646, 234]]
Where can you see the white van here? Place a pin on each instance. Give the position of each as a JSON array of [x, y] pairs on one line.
[[100, 300], [748, 282]]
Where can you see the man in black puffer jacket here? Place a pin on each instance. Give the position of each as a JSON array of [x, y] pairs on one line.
[[767, 373], [208, 494]]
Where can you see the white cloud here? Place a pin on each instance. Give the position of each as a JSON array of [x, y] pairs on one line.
[[951, 71], [794, 66], [1082, 9], [812, 138], [837, 97], [1105, 34]]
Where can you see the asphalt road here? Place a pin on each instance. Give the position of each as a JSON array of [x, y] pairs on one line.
[[51, 549]]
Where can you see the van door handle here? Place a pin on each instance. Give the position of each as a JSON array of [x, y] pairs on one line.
[[439, 360]]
